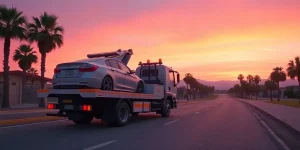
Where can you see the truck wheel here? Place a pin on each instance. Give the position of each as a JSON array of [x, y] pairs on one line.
[[85, 120], [166, 108], [123, 114], [117, 115]]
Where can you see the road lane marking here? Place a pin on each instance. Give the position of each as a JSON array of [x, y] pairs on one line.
[[196, 113], [22, 125], [100, 145], [285, 147], [171, 122]]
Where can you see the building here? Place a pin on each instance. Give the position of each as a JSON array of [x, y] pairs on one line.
[[18, 95]]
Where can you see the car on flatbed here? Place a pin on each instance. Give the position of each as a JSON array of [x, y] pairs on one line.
[[82, 105], [104, 71]]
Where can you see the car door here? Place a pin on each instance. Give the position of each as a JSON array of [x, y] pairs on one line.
[[118, 76], [131, 78]]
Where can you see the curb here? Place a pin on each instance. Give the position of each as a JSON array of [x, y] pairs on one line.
[[14, 122], [271, 116]]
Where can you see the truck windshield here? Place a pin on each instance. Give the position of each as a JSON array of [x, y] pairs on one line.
[[151, 72]]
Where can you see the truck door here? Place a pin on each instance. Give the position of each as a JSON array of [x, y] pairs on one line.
[[172, 82]]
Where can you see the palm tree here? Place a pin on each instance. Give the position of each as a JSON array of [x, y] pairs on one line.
[[11, 27], [32, 71], [241, 78], [270, 86], [250, 85], [256, 80], [278, 76], [48, 35], [293, 71], [25, 56], [188, 80]]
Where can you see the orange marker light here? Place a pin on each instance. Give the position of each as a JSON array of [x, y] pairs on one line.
[[160, 60], [148, 61]]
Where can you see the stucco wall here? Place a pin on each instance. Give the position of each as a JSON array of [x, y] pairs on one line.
[[17, 95]]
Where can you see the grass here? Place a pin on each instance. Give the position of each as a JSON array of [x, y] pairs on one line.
[[291, 103], [211, 97]]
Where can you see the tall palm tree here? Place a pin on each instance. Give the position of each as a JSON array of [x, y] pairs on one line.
[[256, 80], [241, 78], [32, 71], [12, 24], [49, 36], [25, 56], [250, 85], [293, 71], [278, 75], [270, 86]]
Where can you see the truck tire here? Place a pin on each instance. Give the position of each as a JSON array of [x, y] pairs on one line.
[[85, 120], [117, 115], [166, 108]]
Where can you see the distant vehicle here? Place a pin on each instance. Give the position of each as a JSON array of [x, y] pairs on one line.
[[81, 99], [105, 71]]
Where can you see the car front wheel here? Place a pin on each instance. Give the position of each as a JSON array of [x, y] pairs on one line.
[[140, 87]]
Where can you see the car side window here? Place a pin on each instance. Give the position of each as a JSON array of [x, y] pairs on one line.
[[123, 67], [114, 64], [107, 63]]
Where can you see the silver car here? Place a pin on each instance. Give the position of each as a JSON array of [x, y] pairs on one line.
[[106, 73]]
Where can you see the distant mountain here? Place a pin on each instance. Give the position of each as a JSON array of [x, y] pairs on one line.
[[227, 84]]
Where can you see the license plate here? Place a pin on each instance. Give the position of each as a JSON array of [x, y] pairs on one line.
[[69, 73], [67, 101], [69, 107]]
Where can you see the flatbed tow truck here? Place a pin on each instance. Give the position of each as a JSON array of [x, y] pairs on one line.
[[114, 107]]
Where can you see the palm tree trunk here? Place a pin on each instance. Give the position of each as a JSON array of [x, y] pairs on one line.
[[271, 95], [278, 92], [298, 90], [24, 82], [5, 102], [43, 64]]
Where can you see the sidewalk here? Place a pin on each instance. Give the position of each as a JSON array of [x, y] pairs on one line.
[[21, 107], [288, 115]]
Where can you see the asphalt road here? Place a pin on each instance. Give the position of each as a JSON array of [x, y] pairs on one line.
[[221, 124]]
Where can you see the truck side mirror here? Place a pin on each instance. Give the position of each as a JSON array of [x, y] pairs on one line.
[[178, 77]]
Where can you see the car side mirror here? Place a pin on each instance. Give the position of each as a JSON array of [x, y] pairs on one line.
[[178, 77]]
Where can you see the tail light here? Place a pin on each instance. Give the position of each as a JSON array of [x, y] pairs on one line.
[[56, 70], [88, 68], [86, 107], [50, 106]]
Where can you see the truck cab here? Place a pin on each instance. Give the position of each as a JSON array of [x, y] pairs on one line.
[[157, 73]]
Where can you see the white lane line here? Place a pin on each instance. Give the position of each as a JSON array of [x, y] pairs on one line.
[[285, 147], [100, 145], [171, 122], [196, 113], [22, 125]]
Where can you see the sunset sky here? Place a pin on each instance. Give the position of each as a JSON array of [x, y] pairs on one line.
[[211, 39]]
